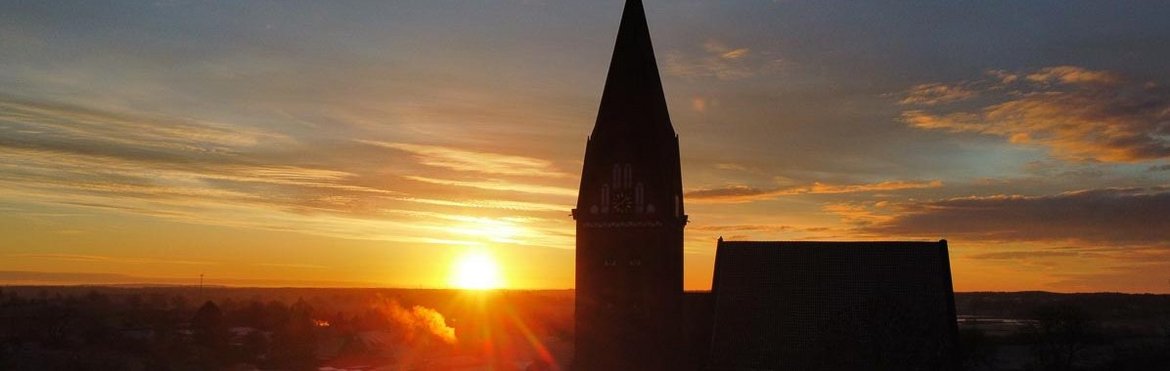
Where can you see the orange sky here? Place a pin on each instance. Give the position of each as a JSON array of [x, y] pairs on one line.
[[355, 144]]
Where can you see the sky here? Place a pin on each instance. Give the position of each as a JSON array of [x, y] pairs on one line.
[[354, 143]]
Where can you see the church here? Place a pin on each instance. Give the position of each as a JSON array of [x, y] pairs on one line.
[[773, 305]]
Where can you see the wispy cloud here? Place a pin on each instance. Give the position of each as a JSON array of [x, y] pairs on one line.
[[819, 188], [936, 93], [767, 231], [73, 278], [743, 228], [720, 61], [1159, 168], [475, 161], [744, 193], [1111, 216], [52, 122], [1072, 75], [106, 259], [491, 204], [730, 166], [214, 174], [294, 265], [499, 186], [1030, 254], [1078, 114], [860, 213]]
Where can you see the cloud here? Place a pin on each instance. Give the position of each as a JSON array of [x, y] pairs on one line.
[[743, 193], [1058, 169], [105, 259], [1134, 216], [733, 193], [1072, 75], [743, 228], [820, 188], [1003, 77], [1077, 114], [60, 174], [70, 154], [719, 61], [936, 93], [474, 161], [764, 231], [1028, 254], [81, 278], [53, 123], [498, 186], [491, 204], [196, 172], [860, 213], [730, 166], [734, 54], [293, 265], [744, 232]]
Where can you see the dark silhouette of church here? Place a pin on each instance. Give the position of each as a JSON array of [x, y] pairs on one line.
[[773, 305]]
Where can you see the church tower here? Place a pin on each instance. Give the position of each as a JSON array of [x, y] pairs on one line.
[[630, 218]]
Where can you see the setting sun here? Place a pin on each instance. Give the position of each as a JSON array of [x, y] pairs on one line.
[[476, 271]]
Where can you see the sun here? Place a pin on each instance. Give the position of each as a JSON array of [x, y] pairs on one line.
[[476, 271]]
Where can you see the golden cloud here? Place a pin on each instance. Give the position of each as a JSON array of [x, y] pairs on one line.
[[719, 61], [498, 186], [1072, 75], [742, 193], [476, 161], [1078, 114], [936, 93], [196, 172], [106, 259]]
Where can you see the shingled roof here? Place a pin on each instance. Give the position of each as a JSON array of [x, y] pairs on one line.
[[832, 306]]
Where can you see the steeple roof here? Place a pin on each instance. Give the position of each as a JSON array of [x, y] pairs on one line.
[[633, 130], [632, 104]]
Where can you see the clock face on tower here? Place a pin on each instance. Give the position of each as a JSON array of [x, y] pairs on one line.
[[622, 202]]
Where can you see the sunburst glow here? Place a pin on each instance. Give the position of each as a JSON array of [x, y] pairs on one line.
[[476, 271], [487, 229]]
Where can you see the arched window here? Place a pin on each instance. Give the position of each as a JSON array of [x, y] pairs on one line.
[[605, 198], [676, 206], [629, 177], [638, 190]]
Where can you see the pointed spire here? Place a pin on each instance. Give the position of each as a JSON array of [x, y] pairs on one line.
[[633, 127], [632, 104]]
